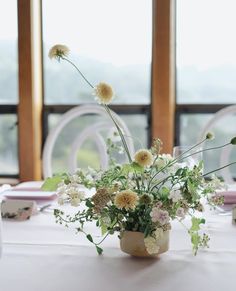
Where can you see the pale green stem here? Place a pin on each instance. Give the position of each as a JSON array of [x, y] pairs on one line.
[[219, 169], [122, 139], [120, 133], [78, 70], [204, 150], [180, 157]]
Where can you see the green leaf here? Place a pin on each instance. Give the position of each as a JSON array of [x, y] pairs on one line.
[[103, 227], [51, 184], [203, 220], [99, 250], [137, 168], [126, 168], [89, 237], [196, 223], [88, 203]]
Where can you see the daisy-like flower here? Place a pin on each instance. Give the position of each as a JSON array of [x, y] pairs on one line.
[[69, 192], [58, 51], [104, 93], [158, 215], [75, 196], [126, 199], [175, 195], [151, 245], [143, 157]]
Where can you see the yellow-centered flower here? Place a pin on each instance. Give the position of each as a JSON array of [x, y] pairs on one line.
[[143, 158], [104, 93], [58, 51], [126, 199]]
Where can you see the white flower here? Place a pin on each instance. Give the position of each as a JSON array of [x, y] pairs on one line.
[[58, 51], [75, 201], [75, 196], [75, 179], [180, 212], [158, 215], [163, 160], [143, 157], [175, 195], [70, 193], [158, 233], [114, 136], [151, 245], [104, 93]]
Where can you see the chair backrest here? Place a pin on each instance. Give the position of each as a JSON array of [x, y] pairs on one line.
[[225, 154], [93, 131]]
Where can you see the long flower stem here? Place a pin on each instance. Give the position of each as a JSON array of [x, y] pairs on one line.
[[120, 133], [204, 150], [78, 70], [218, 169], [181, 157], [122, 139]]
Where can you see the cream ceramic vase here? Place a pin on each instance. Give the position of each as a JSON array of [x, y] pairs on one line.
[[132, 243]]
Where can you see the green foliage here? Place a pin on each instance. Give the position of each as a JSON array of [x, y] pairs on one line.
[[174, 186], [99, 250], [51, 184]]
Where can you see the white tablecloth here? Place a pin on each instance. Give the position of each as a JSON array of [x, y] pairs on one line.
[[41, 255]]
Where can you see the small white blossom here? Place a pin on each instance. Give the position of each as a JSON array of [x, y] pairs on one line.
[[158, 233], [151, 245], [75, 179], [114, 135], [163, 160], [175, 195], [69, 193]]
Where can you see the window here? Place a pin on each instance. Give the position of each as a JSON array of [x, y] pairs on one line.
[[110, 42], [8, 89], [106, 48], [206, 67], [111, 37]]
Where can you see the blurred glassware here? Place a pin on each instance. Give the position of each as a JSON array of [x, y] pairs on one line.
[[187, 155]]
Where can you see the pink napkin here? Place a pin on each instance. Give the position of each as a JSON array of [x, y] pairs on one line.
[[229, 196]]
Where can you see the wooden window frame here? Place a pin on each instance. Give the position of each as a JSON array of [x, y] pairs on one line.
[[30, 89], [31, 110], [163, 72]]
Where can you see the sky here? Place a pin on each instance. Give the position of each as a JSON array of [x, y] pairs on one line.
[[120, 31], [109, 30], [206, 34]]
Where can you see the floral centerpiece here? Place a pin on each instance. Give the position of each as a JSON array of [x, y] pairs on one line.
[[141, 196]]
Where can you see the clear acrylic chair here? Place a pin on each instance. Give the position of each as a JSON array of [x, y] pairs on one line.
[[98, 130], [223, 124]]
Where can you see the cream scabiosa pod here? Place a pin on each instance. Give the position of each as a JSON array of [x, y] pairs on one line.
[[58, 51], [143, 157], [104, 93]]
